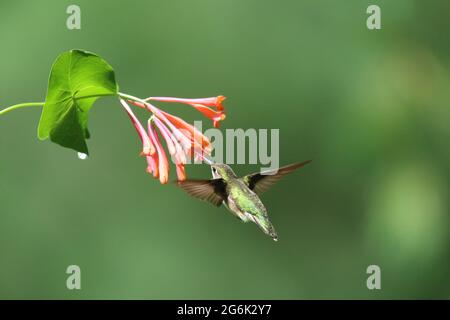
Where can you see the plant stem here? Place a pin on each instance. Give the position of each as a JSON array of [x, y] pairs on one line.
[[21, 105], [129, 97], [40, 104]]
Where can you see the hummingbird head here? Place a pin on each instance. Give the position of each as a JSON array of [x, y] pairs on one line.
[[220, 170]]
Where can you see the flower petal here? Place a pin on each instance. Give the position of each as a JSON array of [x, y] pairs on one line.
[[152, 165], [215, 116], [185, 141], [208, 102], [147, 145], [172, 142], [167, 135], [194, 133], [181, 172], [162, 157]]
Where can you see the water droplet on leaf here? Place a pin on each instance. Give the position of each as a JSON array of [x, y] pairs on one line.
[[82, 156]]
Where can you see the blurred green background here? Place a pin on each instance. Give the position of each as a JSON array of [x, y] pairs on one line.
[[371, 108]]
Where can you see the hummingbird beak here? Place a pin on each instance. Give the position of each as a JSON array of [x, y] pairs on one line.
[[204, 157], [214, 173], [207, 160]]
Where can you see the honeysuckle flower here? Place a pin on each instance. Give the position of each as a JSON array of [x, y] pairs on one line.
[[203, 105], [215, 116], [184, 141], [170, 143], [173, 145], [163, 164], [181, 138], [147, 146], [195, 135], [152, 165], [181, 173], [208, 102]]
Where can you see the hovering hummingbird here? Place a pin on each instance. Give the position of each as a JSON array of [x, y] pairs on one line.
[[239, 195]]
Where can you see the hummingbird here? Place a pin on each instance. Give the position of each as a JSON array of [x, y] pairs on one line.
[[239, 195]]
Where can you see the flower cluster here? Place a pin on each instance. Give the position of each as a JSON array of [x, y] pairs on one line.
[[182, 139]]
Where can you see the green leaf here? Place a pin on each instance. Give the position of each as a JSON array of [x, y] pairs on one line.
[[77, 79]]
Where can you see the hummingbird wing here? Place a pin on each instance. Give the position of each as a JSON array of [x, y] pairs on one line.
[[260, 182], [207, 190]]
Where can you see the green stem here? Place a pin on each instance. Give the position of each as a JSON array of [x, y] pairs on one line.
[[40, 104], [21, 105], [130, 97]]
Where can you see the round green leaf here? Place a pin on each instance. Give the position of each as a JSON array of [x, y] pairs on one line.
[[77, 79]]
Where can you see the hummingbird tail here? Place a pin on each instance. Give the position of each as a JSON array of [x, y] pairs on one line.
[[265, 225]]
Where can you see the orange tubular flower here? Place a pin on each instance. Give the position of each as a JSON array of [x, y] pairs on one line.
[[195, 135], [201, 105], [174, 147], [215, 116], [166, 135], [147, 146], [152, 165], [163, 164], [181, 173], [182, 139], [208, 102]]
